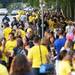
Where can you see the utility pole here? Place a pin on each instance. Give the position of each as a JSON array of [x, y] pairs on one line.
[[42, 13], [58, 5]]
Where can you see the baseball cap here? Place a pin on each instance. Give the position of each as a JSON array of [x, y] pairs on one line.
[[29, 30]]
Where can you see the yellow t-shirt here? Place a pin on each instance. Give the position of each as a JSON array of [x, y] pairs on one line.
[[64, 68], [4, 58], [6, 32], [51, 24], [34, 56], [23, 34], [31, 18], [10, 45], [3, 70]]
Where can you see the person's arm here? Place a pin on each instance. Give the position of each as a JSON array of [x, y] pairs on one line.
[[3, 44], [66, 44], [30, 56], [69, 73]]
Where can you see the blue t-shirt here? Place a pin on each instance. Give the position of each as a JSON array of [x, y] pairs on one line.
[[59, 43]]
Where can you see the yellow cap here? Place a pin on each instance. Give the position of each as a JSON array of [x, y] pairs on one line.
[[29, 30]]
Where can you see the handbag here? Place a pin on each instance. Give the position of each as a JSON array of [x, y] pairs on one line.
[[45, 68]]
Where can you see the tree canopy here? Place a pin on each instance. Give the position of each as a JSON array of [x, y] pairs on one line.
[[68, 6]]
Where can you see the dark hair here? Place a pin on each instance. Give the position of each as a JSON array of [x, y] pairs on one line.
[[20, 65], [18, 37], [36, 39], [19, 42], [6, 24], [3, 38], [11, 34], [60, 31], [14, 18], [48, 31], [62, 54]]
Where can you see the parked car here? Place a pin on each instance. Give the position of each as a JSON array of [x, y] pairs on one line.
[[14, 12], [28, 9], [3, 11]]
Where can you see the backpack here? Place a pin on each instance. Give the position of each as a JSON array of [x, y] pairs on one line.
[[19, 51]]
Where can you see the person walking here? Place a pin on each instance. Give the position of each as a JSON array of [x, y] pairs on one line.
[[34, 55]]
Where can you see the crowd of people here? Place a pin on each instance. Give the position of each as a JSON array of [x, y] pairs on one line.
[[23, 49]]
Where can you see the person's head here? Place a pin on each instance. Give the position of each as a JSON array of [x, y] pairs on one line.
[[6, 24], [44, 41], [21, 26], [51, 34], [29, 32], [61, 19], [64, 55], [14, 18], [11, 36], [47, 34], [25, 42], [19, 42], [13, 30], [20, 65], [70, 23], [36, 39], [6, 15], [60, 32]]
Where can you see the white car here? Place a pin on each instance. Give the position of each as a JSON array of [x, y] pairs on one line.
[[14, 12], [28, 9], [3, 11]]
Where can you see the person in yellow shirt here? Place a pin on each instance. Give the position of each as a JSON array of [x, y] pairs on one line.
[[20, 32], [6, 31], [10, 45], [2, 49], [64, 67], [35, 15], [23, 34], [52, 24], [3, 70], [31, 18], [34, 55]]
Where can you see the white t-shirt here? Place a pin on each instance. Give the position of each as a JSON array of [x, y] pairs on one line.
[[69, 29]]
